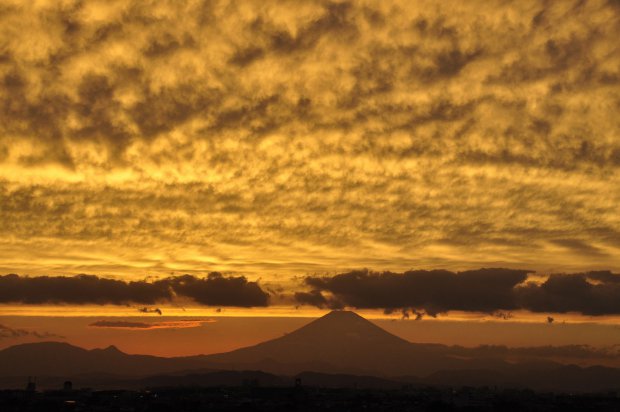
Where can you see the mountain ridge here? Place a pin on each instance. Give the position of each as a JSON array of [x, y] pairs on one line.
[[341, 342]]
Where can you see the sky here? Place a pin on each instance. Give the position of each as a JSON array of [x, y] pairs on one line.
[[411, 159]]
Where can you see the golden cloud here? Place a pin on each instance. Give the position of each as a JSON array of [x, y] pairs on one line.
[[287, 138]]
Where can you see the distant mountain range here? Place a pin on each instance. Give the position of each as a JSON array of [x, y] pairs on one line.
[[339, 349], [344, 342]]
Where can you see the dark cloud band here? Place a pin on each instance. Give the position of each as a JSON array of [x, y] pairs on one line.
[[483, 290], [215, 289]]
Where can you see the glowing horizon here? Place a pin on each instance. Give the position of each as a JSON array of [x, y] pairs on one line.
[[457, 160]]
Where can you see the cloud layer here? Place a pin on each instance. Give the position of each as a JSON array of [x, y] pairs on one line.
[[493, 291], [214, 290], [120, 324], [277, 138], [7, 332]]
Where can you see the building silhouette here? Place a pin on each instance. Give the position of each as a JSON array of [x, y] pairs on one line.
[[31, 386]]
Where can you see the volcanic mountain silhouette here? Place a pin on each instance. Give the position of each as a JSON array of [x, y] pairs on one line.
[[341, 341]]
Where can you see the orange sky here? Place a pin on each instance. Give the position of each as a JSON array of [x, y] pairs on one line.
[[140, 141], [219, 334]]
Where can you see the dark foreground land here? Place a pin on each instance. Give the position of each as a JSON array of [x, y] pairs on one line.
[[305, 399]]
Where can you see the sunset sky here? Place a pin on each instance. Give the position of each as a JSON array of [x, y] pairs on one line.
[[229, 163]]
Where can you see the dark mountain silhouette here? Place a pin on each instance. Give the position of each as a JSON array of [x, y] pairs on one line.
[[339, 349], [57, 358], [345, 342], [569, 378], [331, 380], [214, 378]]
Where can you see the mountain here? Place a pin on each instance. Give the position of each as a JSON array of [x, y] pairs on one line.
[[338, 349], [344, 342], [568, 378], [339, 342], [63, 359], [328, 380], [214, 378]]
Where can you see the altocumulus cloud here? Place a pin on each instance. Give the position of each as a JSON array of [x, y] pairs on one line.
[[458, 132], [484, 290], [215, 289]]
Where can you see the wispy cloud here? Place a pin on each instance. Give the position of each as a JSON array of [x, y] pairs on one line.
[[9, 332], [179, 324], [151, 310]]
